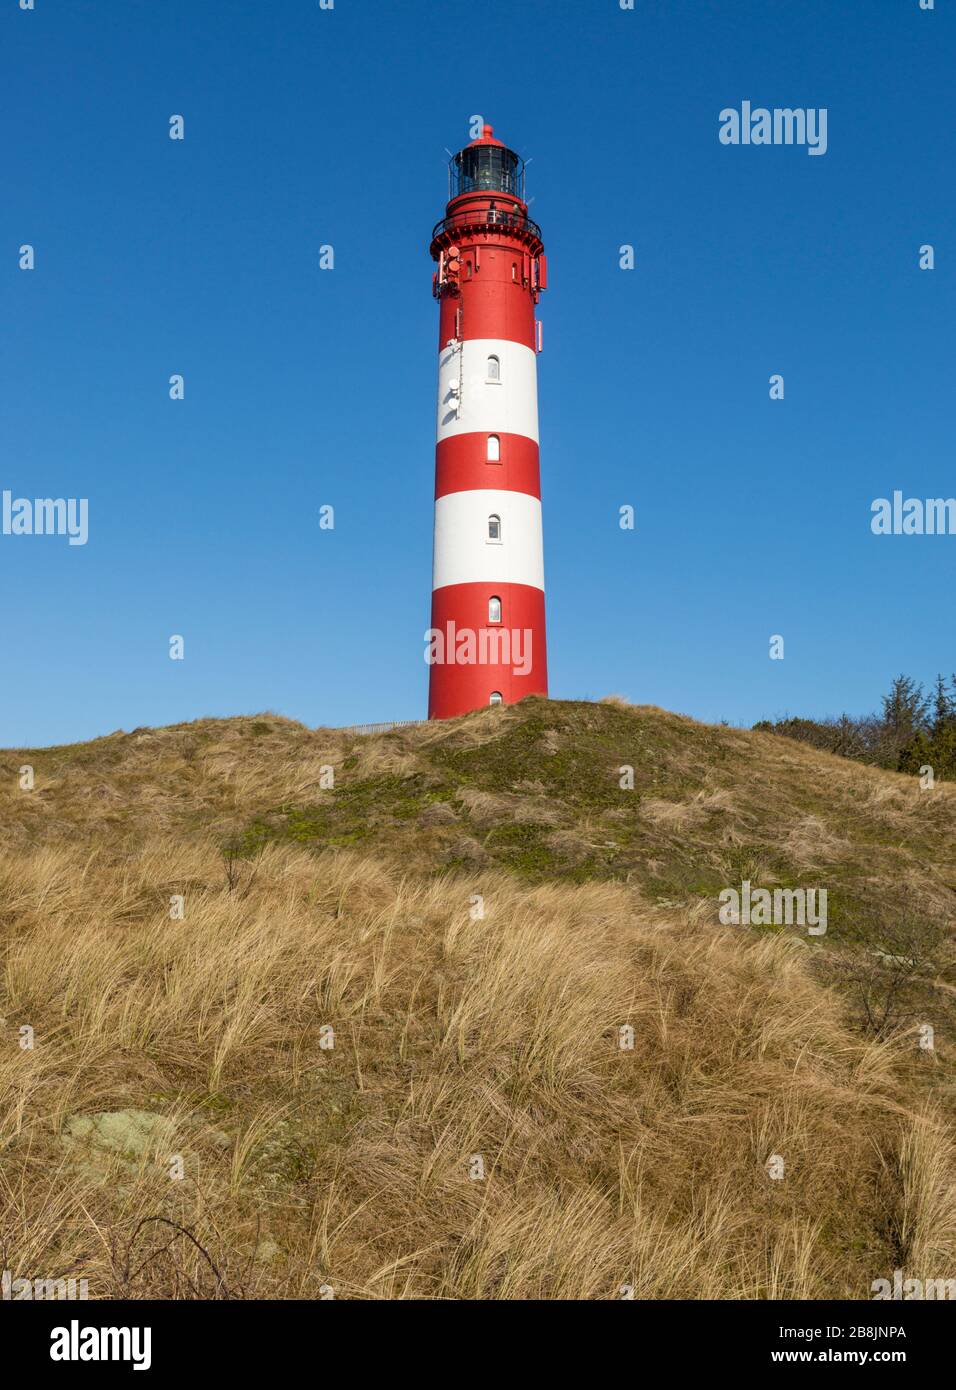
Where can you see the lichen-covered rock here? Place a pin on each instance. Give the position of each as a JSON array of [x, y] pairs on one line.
[[126, 1136]]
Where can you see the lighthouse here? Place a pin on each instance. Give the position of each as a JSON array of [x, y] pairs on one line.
[[487, 638]]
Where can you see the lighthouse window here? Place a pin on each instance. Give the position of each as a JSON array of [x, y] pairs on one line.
[[494, 528], [494, 448], [467, 270], [495, 698], [494, 610], [494, 369]]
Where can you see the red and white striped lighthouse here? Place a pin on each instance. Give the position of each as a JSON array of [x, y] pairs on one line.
[[488, 634]]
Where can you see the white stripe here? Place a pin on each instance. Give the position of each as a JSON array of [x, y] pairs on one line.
[[463, 553], [468, 402]]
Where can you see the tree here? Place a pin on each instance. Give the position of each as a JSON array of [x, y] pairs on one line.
[[944, 705], [914, 730], [934, 744], [905, 708]]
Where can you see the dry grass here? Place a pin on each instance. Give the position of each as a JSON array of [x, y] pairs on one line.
[[264, 1163], [350, 1167]]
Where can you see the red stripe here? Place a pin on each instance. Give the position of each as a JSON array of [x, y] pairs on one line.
[[491, 304], [455, 688], [461, 464]]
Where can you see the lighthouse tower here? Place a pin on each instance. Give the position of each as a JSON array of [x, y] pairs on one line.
[[488, 634]]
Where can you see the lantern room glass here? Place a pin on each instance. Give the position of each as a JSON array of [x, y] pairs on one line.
[[486, 169]]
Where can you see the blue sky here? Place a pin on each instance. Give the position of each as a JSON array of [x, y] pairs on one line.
[[304, 387]]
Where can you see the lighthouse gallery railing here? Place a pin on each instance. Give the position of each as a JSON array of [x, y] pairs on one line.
[[487, 217]]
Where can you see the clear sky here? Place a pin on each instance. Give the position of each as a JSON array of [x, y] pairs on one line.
[[306, 387]]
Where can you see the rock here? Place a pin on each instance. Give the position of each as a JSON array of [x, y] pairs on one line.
[[128, 1134]]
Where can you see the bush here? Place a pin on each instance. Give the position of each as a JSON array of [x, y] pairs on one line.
[[913, 730]]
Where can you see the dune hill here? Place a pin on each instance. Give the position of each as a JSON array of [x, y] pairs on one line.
[[465, 1023]]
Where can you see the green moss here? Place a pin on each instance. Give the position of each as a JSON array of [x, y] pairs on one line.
[[572, 751]]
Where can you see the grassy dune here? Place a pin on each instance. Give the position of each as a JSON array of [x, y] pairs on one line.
[[341, 1074]]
